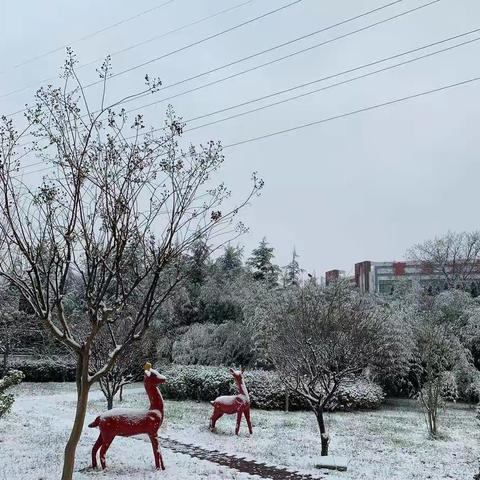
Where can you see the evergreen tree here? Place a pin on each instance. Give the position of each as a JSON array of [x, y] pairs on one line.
[[261, 264], [292, 271], [198, 263], [231, 260]]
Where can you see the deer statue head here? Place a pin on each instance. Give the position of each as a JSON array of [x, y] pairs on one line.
[[152, 377], [237, 374]]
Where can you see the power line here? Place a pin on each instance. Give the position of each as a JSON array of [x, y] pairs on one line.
[[199, 42], [329, 77], [281, 45], [336, 117], [90, 35], [136, 45], [275, 47], [185, 47], [343, 82], [273, 61], [353, 112]]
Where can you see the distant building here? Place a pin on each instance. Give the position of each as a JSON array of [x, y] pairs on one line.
[[381, 277], [333, 276]]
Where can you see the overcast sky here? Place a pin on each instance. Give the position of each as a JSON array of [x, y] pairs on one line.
[[365, 187]]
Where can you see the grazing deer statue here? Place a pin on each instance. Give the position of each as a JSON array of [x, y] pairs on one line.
[[127, 422], [229, 404]]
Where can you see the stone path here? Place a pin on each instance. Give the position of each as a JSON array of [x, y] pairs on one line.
[[238, 463]]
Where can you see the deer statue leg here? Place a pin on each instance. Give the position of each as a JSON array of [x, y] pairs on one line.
[[213, 419], [103, 450], [157, 454], [95, 448], [239, 419], [247, 418]]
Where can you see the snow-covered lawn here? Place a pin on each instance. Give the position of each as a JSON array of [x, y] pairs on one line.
[[387, 444]]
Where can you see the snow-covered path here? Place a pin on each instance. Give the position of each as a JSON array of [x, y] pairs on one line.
[[390, 443]]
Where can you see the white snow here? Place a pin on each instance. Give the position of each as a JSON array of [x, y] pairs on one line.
[[155, 372], [390, 443], [226, 399], [124, 412], [333, 462]]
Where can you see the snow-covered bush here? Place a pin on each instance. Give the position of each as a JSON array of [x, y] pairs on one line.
[[266, 389], [45, 370], [358, 394], [196, 382], [12, 378], [449, 387]]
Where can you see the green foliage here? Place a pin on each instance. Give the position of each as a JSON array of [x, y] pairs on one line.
[[13, 377], [261, 264], [217, 315]]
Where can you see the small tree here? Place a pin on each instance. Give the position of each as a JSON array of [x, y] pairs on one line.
[[439, 351], [230, 262], [263, 268], [14, 377], [319, 338], [125, 368], [292, 271], [116, 196]]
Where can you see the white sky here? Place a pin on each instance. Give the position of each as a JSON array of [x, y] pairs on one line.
[[365, 187]]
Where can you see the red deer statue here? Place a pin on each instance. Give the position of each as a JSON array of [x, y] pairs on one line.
[[239, 404], [127, 421]]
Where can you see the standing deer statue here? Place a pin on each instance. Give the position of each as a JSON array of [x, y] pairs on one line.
[[127, 422], [230, 404]]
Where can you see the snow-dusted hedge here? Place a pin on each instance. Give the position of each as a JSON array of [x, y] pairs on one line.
[[359, 394], [265, 388], [12, 378], [45, 370]]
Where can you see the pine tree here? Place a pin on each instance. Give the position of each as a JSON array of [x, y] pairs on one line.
[[261, 264], [292, 271], [199, 259], [231, 260]]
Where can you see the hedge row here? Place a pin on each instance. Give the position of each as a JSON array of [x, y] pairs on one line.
[[196, 382], [266, 390], [44, 370]]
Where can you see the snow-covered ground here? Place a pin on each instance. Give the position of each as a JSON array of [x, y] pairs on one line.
[[386, 444]]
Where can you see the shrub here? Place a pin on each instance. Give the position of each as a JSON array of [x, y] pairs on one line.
[[359, 394], [266, 390], [12, 378], [45, 370]]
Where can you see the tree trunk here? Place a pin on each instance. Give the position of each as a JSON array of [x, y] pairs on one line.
[[82, 401], [121, 394], [109, 401], [324, 438], [5, 362], [287, 400]]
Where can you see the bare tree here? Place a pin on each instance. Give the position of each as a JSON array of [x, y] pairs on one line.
[[128, 363], [456, 256], [115, 192], [319, 338]]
